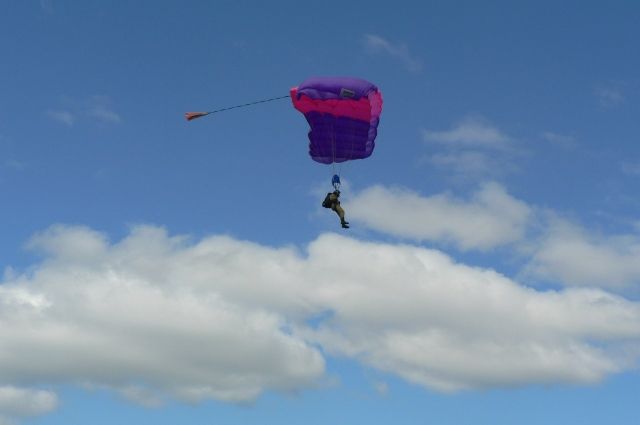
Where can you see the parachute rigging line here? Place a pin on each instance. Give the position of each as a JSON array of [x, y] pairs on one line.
[[193, 115]]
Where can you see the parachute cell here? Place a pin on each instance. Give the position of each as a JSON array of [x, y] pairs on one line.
[[343, 114]]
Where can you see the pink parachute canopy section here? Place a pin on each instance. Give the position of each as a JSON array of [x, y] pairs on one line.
[[343, 114]]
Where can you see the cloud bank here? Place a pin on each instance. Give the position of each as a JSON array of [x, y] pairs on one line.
[[155, 316]]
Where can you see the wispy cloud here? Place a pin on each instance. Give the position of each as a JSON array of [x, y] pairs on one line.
[[104, 114], [47, 6], [62, 116], [465, 163], [609, 97], [377, 44], [99, 108], [471, 132], [631, 168], [382, 388], [472, 148], [560, 140], [96, 108], [14, 164]]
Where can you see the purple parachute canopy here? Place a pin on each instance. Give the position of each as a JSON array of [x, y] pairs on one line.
[[343, 114]]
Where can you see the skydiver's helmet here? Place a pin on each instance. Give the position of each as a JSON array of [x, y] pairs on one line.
[[336, 192]]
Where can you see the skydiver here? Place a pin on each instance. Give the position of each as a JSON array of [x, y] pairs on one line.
[[332, 201]]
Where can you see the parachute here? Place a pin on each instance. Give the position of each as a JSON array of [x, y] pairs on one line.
[[343, 114]]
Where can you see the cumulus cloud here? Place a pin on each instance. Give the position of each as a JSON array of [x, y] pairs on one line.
[[146, 312], [375, 43], [570, 254], [550, 248], [155, 316], [490, 218]]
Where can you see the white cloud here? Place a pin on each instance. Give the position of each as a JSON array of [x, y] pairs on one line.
[[20, 402], [154, 316], [148, 311], [376, 43], [473, 148], [489, 219], [471, 132], [553, 249], [416, 313], [571, 255], [75, 243]]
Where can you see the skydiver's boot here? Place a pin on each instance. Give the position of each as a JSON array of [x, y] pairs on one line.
[[345, 224]]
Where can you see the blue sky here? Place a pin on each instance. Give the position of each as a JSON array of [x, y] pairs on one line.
[[162, 271]]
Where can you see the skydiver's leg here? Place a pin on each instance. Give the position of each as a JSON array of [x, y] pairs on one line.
[[338, 209]]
